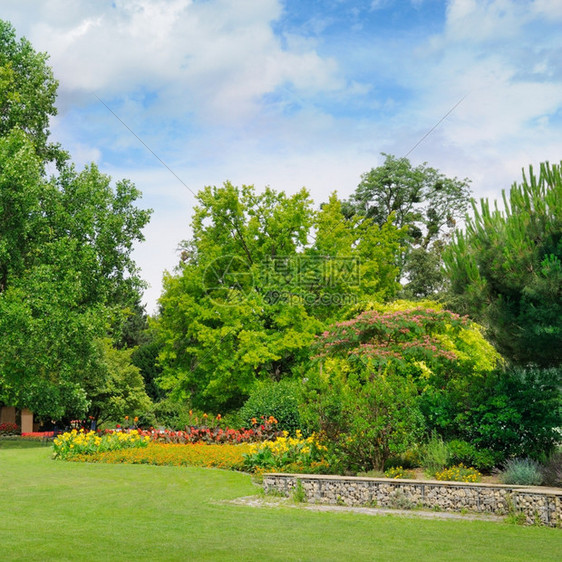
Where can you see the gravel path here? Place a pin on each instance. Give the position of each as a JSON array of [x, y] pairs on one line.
[[272, 502]]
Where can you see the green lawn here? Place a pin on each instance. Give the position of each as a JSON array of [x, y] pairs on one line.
[[54, 510]]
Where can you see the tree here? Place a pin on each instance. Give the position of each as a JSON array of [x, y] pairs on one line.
[[516, 412], [393, 371], [66, 272], [506, 269], [67, 282], [436, 347], [359, 255], [117, 389], [221, 327], [423, 201], [27, 92], [252, 290]]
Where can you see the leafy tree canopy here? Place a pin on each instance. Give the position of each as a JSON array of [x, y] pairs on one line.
[[506, 269], [253, 289], [66, 271], [420, 198], [116, 389], [27, 92], [433, 345], [424, 202]]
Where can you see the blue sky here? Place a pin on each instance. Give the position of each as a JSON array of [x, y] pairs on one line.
[[296, 93]]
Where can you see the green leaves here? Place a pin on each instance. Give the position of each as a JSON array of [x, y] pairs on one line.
[[28, 92], [506, 271], [260, 277], [66, 273], [425, 205]]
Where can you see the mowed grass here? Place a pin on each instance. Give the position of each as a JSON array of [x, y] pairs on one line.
[[55, 510]]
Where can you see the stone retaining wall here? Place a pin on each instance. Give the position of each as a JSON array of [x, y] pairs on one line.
[[538, 504]]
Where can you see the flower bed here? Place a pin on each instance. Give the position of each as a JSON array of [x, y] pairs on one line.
[[9, 429], [75, 443], [459, 473], [203, 447], [225, 456], [288, 454], [208, 435]]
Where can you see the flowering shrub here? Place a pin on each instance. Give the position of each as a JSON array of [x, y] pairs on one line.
[[398, 472], [459, 473], [287, 454], [76, 442], [9, 429], [207, 456], [396, 335]]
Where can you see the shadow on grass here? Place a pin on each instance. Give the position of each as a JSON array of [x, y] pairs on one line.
[[20, 443]]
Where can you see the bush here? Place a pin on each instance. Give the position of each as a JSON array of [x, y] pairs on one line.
[[279, 399], [9, 429], [408, 459], [461, 451], [168, 413], [435, 455], [368, 416], [525, 472], [515, 413], [467, 454], [552, 470], [486, 460]]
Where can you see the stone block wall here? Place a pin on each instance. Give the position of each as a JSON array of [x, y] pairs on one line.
[[538, 505]]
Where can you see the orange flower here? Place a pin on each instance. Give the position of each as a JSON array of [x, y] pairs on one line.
[[126, 417], [219, 417], [254, 421]]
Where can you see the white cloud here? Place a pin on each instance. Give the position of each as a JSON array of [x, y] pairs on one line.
[[215, 58], [493, 53], [551, 9], [477, 20]]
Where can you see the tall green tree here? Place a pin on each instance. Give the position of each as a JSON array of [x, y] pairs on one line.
[[506, 269], [254, 288], [116, 389], [66, 271], [424, 202], [221, 324], [28, 92]]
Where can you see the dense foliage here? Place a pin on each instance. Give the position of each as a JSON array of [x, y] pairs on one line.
[[424, 202], [280, 400], [252, 291], [66, 272], [506, 269], [27, 92], [381, 371]]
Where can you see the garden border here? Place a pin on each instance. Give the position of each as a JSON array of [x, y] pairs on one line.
[[538, 505]]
